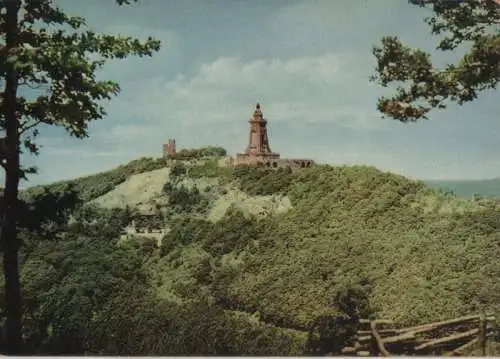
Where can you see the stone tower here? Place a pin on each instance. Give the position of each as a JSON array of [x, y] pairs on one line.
[[258, 141], [258, 153], [169, 148]]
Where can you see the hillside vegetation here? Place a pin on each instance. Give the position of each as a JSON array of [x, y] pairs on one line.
[[250, 259], [91, 187]]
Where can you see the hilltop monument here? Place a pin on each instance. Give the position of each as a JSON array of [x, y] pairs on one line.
[[258, 152], [258, 141]]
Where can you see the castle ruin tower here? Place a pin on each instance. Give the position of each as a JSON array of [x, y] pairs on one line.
[[169, 148], [258, 142]]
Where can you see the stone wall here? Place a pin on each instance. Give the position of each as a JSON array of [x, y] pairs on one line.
[[269, 162]]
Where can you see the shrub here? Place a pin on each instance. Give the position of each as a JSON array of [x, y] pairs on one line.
[[203, 271], [260, 182], [199, 153], [185, 199], [210, 169], [232, 233], [185, 230], [177, 171]]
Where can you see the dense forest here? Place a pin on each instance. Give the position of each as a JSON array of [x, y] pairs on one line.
[[248, 260]]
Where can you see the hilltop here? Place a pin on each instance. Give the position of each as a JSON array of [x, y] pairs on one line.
[[273, 248]]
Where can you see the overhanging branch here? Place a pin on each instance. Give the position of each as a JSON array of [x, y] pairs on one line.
[[23, 129]]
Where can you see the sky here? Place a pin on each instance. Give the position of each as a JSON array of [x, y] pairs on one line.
[[307, 62]]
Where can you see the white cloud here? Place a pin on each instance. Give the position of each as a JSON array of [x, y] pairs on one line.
[[225, 90], [236, 72]]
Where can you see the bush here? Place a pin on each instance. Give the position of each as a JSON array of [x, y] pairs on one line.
[[167, 246], [261, 182], [232, 233], [100, 223], [185, 199], [209, 169], [150, 222], [199, 153], [177, 171], [203, 272], [185, 230]]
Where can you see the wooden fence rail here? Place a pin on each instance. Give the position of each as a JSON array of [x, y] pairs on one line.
[[452, 337]]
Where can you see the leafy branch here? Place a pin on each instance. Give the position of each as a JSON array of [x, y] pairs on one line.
[[473, 23]]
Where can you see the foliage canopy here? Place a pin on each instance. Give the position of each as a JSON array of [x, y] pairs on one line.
[[470, 25]]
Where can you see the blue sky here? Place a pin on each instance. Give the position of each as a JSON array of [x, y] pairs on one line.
[[307, 62]]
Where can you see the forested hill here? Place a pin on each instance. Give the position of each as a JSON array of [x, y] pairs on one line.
[[244, 261]]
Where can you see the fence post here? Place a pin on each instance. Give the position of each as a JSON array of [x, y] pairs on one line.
[[373, 345], [482, 334], [378, 340]]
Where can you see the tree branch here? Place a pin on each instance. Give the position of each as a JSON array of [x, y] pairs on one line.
[[30, 85], [23, 129], [422, 86]]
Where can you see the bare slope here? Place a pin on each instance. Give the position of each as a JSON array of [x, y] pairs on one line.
[[145, 189], [255, 205], [138, 189]]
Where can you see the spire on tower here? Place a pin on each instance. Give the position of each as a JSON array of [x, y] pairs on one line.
[[257, 112]]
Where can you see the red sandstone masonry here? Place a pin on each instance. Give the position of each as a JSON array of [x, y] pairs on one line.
[[258, 152], [169, 148]]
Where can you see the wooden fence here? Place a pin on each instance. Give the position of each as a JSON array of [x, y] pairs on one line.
[[452, 337]]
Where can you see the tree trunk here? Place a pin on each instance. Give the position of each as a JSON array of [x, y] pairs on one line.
[[8, 236]]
